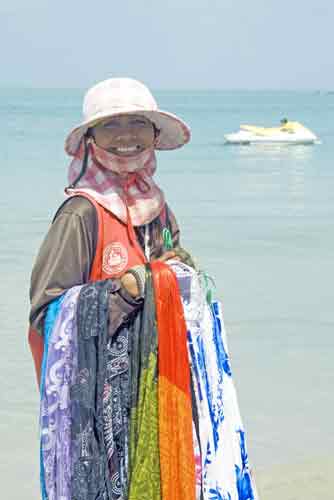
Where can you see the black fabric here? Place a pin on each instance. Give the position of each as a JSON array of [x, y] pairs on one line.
[[90, 479], [106, 391]]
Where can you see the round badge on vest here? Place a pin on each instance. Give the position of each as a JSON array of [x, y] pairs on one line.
[[115, 258]]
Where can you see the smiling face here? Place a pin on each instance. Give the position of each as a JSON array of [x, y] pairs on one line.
[[125, 135]]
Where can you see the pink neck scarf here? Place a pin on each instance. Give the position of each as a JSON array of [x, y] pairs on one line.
[[122, 185]]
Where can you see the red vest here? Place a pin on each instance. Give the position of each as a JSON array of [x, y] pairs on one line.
[[117, 247], [116, 251]]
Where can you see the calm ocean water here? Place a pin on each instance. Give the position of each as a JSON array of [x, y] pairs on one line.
[[259, 219]]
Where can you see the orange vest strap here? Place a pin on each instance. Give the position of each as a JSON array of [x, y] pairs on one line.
[[36, 343]]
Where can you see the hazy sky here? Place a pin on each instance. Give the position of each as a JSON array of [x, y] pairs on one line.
[[169, 44]]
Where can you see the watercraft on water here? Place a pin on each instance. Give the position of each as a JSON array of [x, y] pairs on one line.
[[287, 133]]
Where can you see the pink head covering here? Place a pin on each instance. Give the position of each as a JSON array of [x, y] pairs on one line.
[[122, 185], [117, 96]]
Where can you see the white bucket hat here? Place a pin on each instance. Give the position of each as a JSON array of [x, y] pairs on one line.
[[118, 96]]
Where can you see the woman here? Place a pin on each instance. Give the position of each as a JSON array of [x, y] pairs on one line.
[[114, 217], [137, 399]]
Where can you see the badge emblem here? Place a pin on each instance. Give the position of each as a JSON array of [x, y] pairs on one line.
[[115, 258]]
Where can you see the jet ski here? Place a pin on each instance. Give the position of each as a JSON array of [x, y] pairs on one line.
[[287, 133]]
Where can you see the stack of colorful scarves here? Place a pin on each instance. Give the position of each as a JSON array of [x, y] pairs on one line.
[[148, 414]]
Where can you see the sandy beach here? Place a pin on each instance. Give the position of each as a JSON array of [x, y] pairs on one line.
[[311, 480]]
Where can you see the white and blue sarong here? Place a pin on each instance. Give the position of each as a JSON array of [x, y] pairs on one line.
[[225, 472]]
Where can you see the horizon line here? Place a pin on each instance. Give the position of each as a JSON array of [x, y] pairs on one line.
[[183, 89]]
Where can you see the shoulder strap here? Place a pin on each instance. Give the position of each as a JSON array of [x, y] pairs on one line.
[[165, 218]]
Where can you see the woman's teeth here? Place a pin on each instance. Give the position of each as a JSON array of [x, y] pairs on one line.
[[131, 149]]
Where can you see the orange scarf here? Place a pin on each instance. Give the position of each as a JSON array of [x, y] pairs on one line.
[[177, 462]]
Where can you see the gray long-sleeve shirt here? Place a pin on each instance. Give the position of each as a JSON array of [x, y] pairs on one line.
[[66, 256]]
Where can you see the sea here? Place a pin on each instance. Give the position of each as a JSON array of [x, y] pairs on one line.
[[258, 219]]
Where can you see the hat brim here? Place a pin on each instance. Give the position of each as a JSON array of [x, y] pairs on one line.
[[173, 134]]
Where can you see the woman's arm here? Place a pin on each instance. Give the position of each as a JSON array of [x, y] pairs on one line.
[[64, 260], [65, 257]]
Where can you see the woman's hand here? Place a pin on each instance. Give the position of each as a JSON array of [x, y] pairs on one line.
[[129, 282], [170, 254]]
